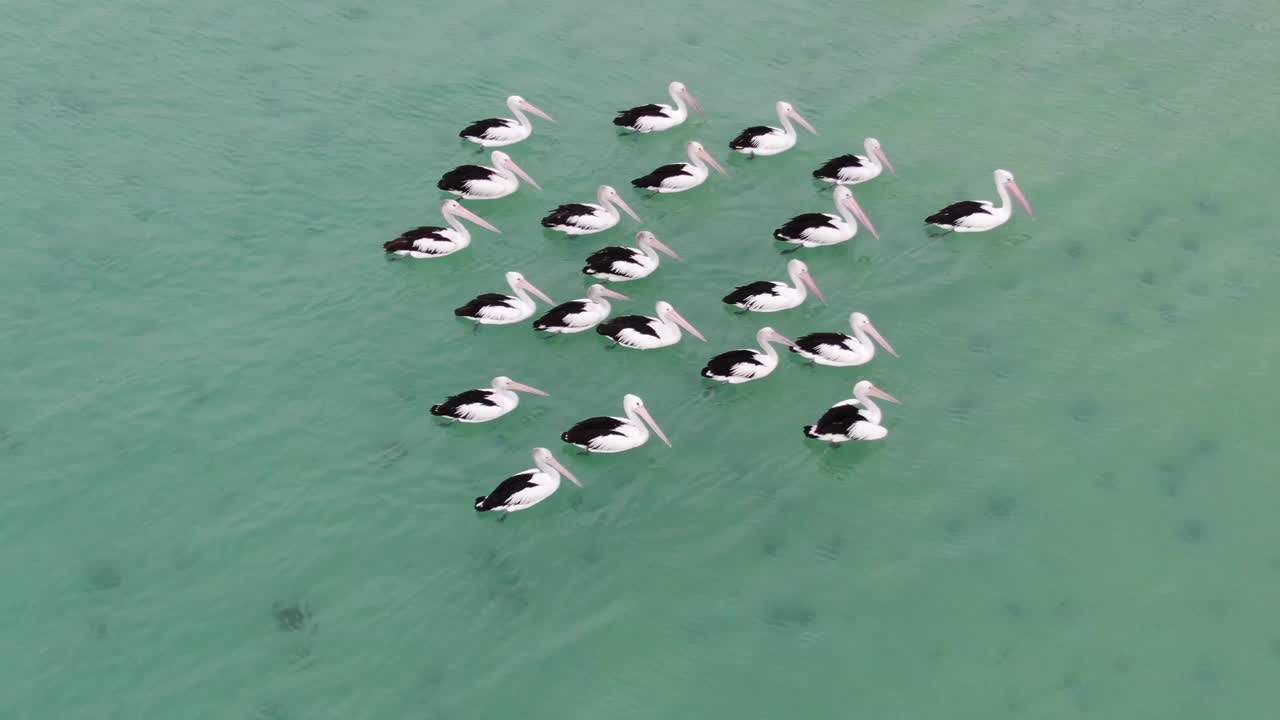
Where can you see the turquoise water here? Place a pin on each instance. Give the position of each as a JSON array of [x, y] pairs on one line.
[[216, 388]]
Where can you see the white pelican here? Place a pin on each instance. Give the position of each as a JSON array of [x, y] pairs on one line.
[[840, 350], [578, 315], [621, 264], [771, 296], [475, 182], [588, 218], [430, 241], [857, 418], [981, 215], [485, 404], [817, 229], [497, 309], [739, 366], [526, 489], [679, 177], [496, 132], [652, 118], [764, 140], [647, 333], [854, 169], [615, 434]]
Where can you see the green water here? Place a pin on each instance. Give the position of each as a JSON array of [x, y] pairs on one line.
[[215, 387]]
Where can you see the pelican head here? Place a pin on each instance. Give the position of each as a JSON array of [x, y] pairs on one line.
[[1004, 178]]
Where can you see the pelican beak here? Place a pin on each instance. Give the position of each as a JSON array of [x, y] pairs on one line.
[[678, 319], [648, 419], [610, 293], [885, 159], [623, 204], [688, 96], [777, 337], [1017, 192], [875, 334], [562, 469], [862, 216], [813, 285], [877, 392], [465, 213], [527, 388], [526, 105], [712, 161], [523, 175], [662, 247], [529, 286], [798, 118]]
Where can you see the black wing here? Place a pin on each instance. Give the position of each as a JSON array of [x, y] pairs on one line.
[[722, 365], [583, 432], [601, 261], [481, 128], [747, 138], [556, 315], [449, 408], [745, 292], [639, 323], [837, 420], [504, 491], [833, 166], [473, 308], [814, 342], [655, 178], [951, 214], [565, 214], [629, 118], [796, 226], [456, 179], [406, 240]]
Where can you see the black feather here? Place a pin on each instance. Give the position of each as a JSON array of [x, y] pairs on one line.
[[831, 169], [555, 317], [837, 420], [406, 240], [722, 365], [795, 228], [456, 179], [747, 138], [744, 293], [601, 261], [473, 308], [629, 118], [565, 214], [655, 179], [449, 408], [639, 323], [501, 494], [813, 342], [481, 128], [584, 432], [951, 214]]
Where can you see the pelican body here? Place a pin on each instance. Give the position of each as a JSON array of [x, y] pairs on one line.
[[679, 177], [812, 230], [615, 434], [497, 309], [857, 418], [653, 118], [430, 241], [475, 182], [526, 489], [765, 140], [854, 169], [841, 350], [496, 132], [772, 296], [620, 264], [981, 215], [578, 315], [588, 218], [740, 366], [647, 333], [485, 404]]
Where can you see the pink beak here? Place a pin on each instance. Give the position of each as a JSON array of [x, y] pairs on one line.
[[643, 413], [678, 319], [777, 337], [1017, 192], [523, 175], [611, 294], [712, 161], [562, 470], [694, 103], [877, 392], [526, 388], [623, 204], [862, 216], [529, 286], [797, 117], [662, 247], [871, 330], [465, 213], [885, 159], [526, 105], [813, 285]]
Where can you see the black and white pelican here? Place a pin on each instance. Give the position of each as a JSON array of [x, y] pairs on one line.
[[476, 182], [647, 333], [678, 177], [430, 241], [854, 169], [588, 218], [818, 229], [498, 309], [484, 404], [652, 118], [857, 418], [772, 296], [526, 489], [620, 264], [981, 215], [615, 434], [739, 366], [840, 350], [578, 315], [765, 140], [496, 132]]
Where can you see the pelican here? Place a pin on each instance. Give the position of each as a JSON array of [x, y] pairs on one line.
[[497, 309], [981, 215], [652, 118], [485, 404], [739, 366], [526, 489], [857, 418], [621, 264], [496, 132], [764, 140], [854, 169], [615, 434], [817, 229], [475, 182], [430, 241], [647, 333], [588, 218], [840, 350], [771, 296], [578, 315], [679, 177]]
